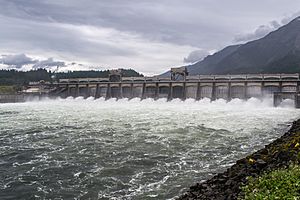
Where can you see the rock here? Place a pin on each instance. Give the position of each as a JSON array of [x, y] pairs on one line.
[[229, 182]]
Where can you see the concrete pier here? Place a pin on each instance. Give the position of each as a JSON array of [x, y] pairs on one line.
[[297, 100]]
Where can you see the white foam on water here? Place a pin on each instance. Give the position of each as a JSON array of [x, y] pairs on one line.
[[218, 114], [144, 146]]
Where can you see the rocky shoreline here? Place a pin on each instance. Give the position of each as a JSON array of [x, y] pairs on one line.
[[227, 185]]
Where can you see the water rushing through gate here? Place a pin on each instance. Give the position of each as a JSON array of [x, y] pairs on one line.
[[86, 148]]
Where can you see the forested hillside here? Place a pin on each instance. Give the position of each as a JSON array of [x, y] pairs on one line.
[[14, 77]]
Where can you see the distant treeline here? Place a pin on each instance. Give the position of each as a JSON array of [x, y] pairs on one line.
[[20, 78]]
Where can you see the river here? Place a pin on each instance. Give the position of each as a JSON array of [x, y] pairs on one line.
[[85, 148]]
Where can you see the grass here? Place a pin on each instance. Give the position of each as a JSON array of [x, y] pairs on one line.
[[278, 184], [7, 89]]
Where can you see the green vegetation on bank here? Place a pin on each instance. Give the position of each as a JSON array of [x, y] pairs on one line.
[[281, 183], [20, 78], [277, 184], [8, 89]]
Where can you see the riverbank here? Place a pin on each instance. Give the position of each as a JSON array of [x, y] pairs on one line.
[[227, 185]]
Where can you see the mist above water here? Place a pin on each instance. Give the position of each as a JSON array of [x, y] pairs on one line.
[[72, 148]]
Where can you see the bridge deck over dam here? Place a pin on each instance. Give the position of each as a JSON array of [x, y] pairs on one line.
[[283, 86]]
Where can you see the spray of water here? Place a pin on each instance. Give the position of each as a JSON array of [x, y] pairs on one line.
[[252, 102]]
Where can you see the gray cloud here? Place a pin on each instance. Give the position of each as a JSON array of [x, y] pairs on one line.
[[16, 61], [49, 63], [148, 35], [155, 20], [195, 56], [289, 18], [263, 30], [275, 24], [260, 32]]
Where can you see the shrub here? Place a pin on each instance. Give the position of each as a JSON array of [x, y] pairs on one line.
[[278, 184]]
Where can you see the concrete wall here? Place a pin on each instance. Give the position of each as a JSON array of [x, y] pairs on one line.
[[137, 91], [11, 98], [178, 92], [254, 91], [222, 92], [164, 92], [206, 91], [126, 92], [191, 91], [16, 98], [238, 92], [150, 92]]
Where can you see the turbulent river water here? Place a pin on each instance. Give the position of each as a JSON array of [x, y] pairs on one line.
[[85, 148]]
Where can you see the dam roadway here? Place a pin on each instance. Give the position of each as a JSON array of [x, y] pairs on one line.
[[279, 86]]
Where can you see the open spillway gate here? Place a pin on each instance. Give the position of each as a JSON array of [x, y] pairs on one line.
[[278, 86]]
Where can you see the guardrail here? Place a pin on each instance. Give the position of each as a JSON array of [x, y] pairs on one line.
[[191, 78]]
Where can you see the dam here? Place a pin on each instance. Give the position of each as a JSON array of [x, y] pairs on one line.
[[137, 149], [181, 85]]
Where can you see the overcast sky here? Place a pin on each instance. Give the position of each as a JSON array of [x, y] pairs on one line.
[[149, 36]]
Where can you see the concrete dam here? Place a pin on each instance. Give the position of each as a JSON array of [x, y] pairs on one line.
[[182, 86]]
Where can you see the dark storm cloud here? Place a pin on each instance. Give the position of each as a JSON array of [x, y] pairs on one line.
[[174, 22], [147, 34], [170, 21]]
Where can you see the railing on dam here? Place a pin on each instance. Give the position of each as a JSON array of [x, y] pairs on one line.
[[245, 77]]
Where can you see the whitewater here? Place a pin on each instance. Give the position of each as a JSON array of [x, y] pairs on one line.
[[128, 149]]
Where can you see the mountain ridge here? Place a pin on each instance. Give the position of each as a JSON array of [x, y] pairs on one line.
[[277, 52]]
